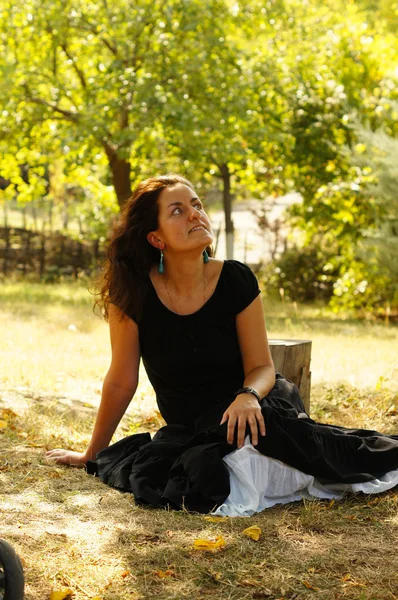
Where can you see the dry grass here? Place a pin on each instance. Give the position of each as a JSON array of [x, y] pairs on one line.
[[72, 531]]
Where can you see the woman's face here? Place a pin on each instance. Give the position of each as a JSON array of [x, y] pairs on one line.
[[183, 222]]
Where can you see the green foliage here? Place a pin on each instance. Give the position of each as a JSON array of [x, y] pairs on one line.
[[302, 274], [260, 99], [365, 288]]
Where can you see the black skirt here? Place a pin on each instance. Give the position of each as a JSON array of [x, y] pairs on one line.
[[182, 466]]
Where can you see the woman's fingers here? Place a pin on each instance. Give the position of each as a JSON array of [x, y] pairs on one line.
[[254, 429], [255, 420], [241, 430], [261, 422], [231, 429], [66, 457]]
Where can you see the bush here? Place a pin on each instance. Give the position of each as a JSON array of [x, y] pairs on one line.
[[366, 288], [305, 274]]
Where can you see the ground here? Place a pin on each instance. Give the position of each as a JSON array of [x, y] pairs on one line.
[[74, 533]]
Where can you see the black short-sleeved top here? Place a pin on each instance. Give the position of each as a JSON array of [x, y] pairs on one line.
[[194, 361]]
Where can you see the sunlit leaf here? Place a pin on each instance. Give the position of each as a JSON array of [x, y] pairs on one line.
[[65, 594], [253, 532], [215, 519], [164, 574], [209, 545], [309, 586], [249, 582]]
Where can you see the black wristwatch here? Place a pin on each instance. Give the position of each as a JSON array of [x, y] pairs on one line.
[[248, 390]]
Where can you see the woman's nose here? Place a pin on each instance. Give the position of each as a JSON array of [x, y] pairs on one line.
[[194, 213]]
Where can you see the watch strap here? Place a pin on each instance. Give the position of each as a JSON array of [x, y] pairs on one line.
[[248, 390]]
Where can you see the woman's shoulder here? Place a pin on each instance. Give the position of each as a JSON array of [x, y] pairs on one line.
[[238, 269], [240, 283]]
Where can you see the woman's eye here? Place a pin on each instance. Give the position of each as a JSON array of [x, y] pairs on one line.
[[174, 211]]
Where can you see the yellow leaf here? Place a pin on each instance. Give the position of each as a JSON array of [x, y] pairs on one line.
[[215, 519], [3, 424], [253, 532], [64, 595], [209, 545], [7, 413], [250, 582], [309, 586], [96, 598], [164, 574]]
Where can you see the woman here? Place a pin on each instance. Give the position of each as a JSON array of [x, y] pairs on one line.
[[198, 325]]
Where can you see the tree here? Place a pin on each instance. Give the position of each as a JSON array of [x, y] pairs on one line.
[[96, 76]]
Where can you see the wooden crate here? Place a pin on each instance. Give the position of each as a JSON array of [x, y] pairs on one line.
[[292, 359]]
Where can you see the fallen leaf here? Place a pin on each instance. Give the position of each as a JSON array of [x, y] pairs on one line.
[[215, 519], [209, 545], [164, 574], [8, 413], [3, 424], [311, 570], [96, 598], [64, 595], [309, 586], [250, 582], [346, 577], [253, 532]]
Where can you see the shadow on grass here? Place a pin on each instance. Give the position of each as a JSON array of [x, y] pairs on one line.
[[70, 521], [313, 542]]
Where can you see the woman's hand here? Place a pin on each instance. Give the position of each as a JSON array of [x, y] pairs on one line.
[[244, 409], [67, 457]]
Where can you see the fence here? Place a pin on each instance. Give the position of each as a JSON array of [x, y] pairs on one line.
[[46, 255]]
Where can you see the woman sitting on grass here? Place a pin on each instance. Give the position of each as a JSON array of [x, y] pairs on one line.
[[198, 324]]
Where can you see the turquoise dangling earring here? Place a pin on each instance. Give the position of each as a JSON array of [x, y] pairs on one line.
[[205, 257], [161, 265]]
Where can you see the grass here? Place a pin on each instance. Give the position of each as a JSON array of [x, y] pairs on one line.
[[73, 532]]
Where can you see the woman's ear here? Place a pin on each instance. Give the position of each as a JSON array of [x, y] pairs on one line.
[[155, 241]]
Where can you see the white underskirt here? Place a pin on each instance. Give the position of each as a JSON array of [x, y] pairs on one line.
[[258, 482]]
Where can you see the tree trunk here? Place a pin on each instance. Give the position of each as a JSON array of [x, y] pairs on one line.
[[120, 169], [227, 202], [5, 208]]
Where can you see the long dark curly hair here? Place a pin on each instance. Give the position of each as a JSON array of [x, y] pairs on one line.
[[129, 258]]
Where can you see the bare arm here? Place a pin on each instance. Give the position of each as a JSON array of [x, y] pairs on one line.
[[259, 373], [119, 387]]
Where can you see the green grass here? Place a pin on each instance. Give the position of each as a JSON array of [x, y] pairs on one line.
[[30, 295], [72, 531]]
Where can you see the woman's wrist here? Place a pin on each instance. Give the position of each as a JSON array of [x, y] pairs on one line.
[[248, 390]]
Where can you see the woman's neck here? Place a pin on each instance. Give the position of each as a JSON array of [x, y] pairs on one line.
[[184, 274]]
